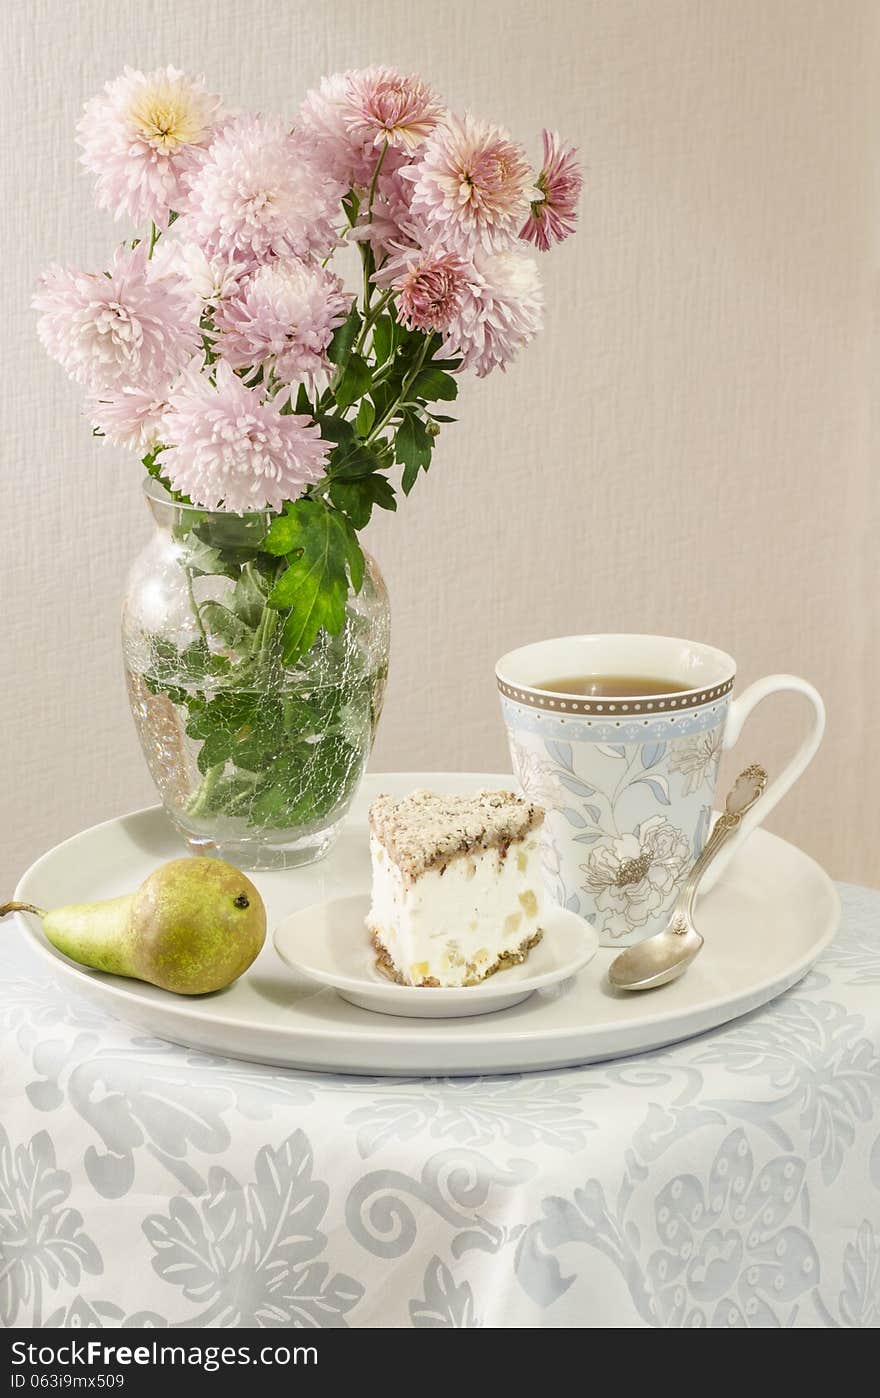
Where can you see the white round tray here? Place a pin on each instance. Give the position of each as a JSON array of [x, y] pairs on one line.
[[765, 923]]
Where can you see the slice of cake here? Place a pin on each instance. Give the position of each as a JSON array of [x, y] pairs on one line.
[[457, 885]]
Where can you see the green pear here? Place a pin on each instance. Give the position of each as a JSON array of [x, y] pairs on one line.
[[193, 926]]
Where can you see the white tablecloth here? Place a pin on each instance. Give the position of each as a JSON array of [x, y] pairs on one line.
[[733, 1180]]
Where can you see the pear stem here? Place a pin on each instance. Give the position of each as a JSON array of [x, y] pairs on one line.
[[21, 908]]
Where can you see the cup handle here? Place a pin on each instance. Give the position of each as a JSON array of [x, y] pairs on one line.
[[736, 717]]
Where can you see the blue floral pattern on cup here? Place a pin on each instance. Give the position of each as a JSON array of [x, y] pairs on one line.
[[628, 808]]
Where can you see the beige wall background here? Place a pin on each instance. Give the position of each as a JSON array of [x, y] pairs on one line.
[[689, 448]]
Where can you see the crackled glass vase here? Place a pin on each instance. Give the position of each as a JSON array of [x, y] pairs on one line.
[[256, 761]]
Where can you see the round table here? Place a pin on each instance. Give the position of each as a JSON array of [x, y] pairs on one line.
[[731, 1180]]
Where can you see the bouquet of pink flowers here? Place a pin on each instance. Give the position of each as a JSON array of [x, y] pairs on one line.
[[222, 347]]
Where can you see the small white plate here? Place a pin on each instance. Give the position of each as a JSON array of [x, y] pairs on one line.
[[329, 943]]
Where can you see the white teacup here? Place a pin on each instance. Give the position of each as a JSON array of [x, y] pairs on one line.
[[628, 783]]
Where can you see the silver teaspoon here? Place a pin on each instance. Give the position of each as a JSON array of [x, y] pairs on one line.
[[667, 955]]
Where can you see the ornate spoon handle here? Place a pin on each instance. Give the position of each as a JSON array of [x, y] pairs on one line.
[[746, 790]]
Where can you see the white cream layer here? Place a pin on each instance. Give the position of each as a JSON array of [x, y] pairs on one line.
[[452, 926]]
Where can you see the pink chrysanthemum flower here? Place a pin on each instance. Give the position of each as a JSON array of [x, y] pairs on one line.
[[141, 135], [322, 121], [384, 106], [349, 116], [232, 450], [116, 329], [472, 184], [553, 217], [260, 192], [501, 310], [285, 313], [430, 285], [129, 417]]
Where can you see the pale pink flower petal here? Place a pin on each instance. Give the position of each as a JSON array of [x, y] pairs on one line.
[[228, 449], [129, 417], [206, 280], [116, 329], [141, 135], [553, 217], [430, 285], [260, 192], [322, 119], [284, 314], [382, 105], [472, 184], [501, 311]]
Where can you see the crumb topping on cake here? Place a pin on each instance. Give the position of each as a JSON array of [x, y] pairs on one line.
[[473, 974], [427, 829]]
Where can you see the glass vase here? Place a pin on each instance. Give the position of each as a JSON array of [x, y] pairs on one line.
[[256, 761]]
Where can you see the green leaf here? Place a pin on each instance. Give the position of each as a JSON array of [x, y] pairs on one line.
[[198, 661], [303, 402], [220, 621], [413, 445], [409, 477], [248, 597], [344, 336], [365, 418], [237, 540], [314, 587], [432, 383], [351, 462], [357, 498], [335, 429], [382, 395], [383, 339], [354, 382], [216, 749], [228, 712], [385, 454], [269, 806]]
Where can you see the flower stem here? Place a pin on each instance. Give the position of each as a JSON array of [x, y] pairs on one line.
[[371, 317], [366, 250], [194, 604], [155, 235], [404, 390], [372, 194], [200, 798]]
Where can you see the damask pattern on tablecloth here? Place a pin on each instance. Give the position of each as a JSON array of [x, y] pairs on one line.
[[731, 1180]]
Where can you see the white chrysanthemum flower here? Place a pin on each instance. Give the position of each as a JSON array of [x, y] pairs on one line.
[[141, 135], [260, 192], [500, 310], [207, 279]]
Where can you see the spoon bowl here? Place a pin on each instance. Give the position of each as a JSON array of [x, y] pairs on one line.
[[657, 960]]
